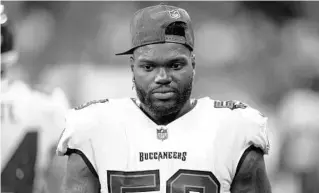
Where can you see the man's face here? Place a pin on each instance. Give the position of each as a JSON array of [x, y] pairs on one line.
[[163, 75]]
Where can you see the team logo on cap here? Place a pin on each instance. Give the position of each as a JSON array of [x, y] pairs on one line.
[[162, 134], [174, 14]]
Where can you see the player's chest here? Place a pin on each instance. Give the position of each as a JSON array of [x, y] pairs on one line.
[[165, 159], [136, 146]]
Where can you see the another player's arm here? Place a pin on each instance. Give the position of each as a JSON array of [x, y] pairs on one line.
[[79, 178], [251, 176]]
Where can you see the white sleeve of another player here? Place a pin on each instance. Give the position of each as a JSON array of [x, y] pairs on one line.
[[76, 136], [49, 114]]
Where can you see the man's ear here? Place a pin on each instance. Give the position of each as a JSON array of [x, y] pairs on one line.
[[132, 60], [193, 60]]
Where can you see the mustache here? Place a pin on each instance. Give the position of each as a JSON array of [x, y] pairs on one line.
[[164, 89]]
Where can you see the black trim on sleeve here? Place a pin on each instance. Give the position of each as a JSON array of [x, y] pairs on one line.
[[249, 149], [85, 159]]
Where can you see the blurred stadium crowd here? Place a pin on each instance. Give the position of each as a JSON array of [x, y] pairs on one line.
[[263, 53]]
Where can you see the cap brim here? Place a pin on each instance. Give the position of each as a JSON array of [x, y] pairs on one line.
[[172, 39], [129, 52]]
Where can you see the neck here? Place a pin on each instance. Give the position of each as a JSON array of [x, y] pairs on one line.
[[166, 119]]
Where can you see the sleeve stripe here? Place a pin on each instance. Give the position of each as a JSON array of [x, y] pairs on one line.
[[240, 163], [85, 159]]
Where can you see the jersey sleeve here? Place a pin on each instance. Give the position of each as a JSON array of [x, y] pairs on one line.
[[256, 128], [76, 136], [60, 100], [251, 132]]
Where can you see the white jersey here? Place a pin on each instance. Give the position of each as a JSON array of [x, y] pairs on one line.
[[31, 124], [198, 152]]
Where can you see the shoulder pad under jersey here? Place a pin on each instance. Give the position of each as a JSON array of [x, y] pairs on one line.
[[76, 135], [242, 108], [249, 129], [231, 104], [251, 124], [78, 130], [256, 129], [90, 103]]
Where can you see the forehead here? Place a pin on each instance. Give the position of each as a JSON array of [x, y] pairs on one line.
[[165, 51]]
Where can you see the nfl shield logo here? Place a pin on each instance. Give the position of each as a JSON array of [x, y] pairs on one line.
[[162, 134], [174, 14]]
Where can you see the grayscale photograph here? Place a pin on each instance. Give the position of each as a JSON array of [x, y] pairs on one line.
[[159, 96]]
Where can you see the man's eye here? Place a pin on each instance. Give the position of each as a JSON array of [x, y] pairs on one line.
[[176, 66], [148, 67]]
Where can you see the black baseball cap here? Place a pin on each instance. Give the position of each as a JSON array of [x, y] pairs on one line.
[[148, 27]]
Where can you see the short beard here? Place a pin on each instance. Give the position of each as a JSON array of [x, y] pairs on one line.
[[183, 95]]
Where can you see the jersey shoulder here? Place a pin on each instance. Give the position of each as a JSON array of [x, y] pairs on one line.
[[85, 113], [55, 96], [247, 122], [38, 98], [236, 109], [34, 104], [92, 111], [16, 89], [51, 105], [80, 123], [84, 121], [92, 103]]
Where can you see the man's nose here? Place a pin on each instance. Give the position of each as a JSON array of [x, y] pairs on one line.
[[163, 77]]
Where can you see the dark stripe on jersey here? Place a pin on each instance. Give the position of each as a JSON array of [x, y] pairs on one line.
[[240, 163], [85, 159]]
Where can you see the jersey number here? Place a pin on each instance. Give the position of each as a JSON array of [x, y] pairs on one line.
[[183, 181]]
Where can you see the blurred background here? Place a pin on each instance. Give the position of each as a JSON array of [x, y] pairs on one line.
[[265, 54]]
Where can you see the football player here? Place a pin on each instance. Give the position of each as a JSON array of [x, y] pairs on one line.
[[30, 124], [164, 141]]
